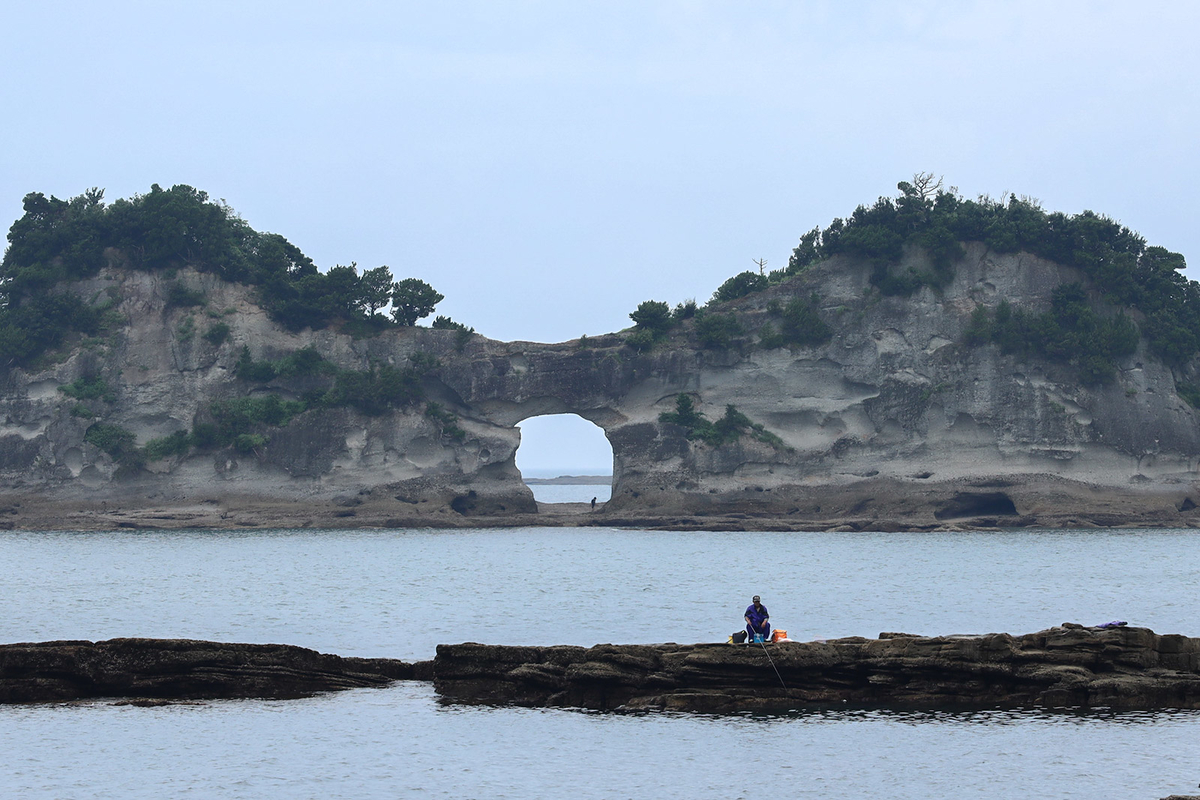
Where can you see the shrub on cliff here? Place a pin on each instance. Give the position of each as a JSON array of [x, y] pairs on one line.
[[729, 428], [89, 387], [652, 321], [739, 285], [376, 390], [462, 333], [446, 421], [42, 323], [118, 442], [217, 333], [1070, 332], [717, 331], [178, 443], [799, 325], [179, 296], [1190, 392], [685, 310]]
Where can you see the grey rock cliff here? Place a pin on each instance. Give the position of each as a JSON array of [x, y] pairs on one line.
[[894, 423]]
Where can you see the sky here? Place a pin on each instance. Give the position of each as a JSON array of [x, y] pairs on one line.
[[549, 165]]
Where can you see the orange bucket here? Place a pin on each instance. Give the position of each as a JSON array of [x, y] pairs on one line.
[[778, 635]]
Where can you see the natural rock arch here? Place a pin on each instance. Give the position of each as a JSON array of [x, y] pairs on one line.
[[542, 434]]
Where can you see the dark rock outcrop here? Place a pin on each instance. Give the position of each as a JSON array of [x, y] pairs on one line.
[[181, 669], [1063, 667]]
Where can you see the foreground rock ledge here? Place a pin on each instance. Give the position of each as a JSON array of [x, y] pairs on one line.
[[1062, 667], [181, 669]]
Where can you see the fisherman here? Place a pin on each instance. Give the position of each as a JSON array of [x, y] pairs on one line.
[[593, 504], [757, 621]]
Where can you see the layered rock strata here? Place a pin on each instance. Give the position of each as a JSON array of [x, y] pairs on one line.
[[181, 669], [895, 423], [1063, 667]]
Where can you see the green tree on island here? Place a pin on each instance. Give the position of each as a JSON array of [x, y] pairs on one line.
[[413, 299], [375, 287]]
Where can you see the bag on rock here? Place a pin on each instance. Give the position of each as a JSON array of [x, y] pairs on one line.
[[739, 637]]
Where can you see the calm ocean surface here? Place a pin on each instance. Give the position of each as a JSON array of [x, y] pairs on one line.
[[399, 593]]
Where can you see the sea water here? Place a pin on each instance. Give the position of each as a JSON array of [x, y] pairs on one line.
[[400, 592]]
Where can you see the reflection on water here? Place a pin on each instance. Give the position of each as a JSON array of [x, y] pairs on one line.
[[399, 742], [399, 593]]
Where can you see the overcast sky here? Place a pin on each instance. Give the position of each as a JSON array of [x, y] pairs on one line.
[[549, 165]]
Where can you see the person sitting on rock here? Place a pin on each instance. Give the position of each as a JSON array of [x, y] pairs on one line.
[[757, 621]]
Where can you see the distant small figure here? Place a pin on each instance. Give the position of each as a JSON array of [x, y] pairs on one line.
[[593, 504], [757, 623]]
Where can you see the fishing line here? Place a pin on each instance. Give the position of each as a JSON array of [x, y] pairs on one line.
[[777, 675]]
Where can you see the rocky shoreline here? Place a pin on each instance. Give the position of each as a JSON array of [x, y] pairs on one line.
[[183, 669], [877, 506], [1065, 667], [1062, 667]]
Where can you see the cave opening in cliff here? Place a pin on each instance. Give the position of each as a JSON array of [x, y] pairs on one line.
[[564, 458]]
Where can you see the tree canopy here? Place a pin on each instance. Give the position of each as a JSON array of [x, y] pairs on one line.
[[413, 299], [61, 240], [1124, 270]]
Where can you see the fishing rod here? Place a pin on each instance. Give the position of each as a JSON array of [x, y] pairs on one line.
[[763, 644]]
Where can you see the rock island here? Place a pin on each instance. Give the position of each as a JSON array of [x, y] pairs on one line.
[[929, 362]]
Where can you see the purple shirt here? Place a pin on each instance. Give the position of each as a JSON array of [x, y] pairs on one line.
[[757, 616]]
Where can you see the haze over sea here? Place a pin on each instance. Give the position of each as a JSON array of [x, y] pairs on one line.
[[399, 593]]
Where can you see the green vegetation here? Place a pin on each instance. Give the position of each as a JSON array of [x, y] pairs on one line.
[[376, 390], [740, 285], [653, 316], [728, 428], [244, 423], [89, 387], [217, 333], [42, 323], [1125, 271], [413, 299], [234, 418], [925, 218], [116, 441], [179, 296], [717, 331], [248, 369], [1071, 332], [178, 443], [1190, 392], [799, 325], [462, 334], [306, 361], [372, 391], [652, 321], [62, 240], [447, 421], [685, 310]]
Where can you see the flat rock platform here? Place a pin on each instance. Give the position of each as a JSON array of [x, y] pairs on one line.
[[1062, 667], [181, 669]]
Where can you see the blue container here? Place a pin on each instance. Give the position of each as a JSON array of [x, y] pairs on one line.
[[758, 638]]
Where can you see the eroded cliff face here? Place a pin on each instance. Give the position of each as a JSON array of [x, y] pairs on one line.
[[893, 423]]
